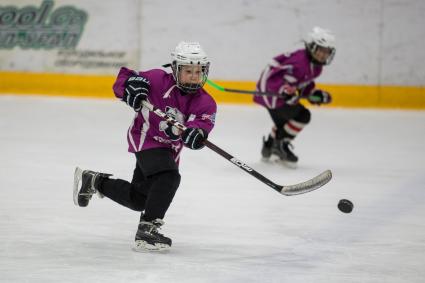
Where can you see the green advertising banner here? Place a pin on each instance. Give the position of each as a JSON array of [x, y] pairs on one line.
[[68, 36], [44, 27]]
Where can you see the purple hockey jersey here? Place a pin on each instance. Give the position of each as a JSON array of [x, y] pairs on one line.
[[294, 69], [147, 130]]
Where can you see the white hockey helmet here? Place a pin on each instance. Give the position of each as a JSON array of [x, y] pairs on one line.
[[324, 38], [189, 54]]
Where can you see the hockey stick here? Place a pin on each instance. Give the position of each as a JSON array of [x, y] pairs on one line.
[[287, 190], [220, 88]]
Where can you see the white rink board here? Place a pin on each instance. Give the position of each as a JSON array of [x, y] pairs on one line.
[[226, 225], [378, 42]]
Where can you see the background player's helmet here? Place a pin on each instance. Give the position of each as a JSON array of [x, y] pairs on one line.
[[192, 54], [319, 37]]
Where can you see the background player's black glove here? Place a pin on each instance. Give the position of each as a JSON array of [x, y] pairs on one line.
[[194, 138], [136, 90], [319, 97]]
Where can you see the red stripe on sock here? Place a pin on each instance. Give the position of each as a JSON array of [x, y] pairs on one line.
[[294, 128]]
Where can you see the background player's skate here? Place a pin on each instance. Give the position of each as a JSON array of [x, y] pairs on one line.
[[279, 151]]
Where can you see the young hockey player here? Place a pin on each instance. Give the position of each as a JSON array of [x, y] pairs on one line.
[[155, 143], [292, 77]]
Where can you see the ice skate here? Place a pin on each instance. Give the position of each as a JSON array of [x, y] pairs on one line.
[[266, 150], [85, 185], [149, 239], [282, 151]]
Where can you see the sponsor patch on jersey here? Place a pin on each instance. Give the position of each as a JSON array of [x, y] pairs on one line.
[[209, 117]]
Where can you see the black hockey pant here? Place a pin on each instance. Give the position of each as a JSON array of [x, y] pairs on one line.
[[288, 113], [154, 184]]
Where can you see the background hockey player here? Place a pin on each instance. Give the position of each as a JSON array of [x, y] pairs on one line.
[[155, 143], [292, 76]]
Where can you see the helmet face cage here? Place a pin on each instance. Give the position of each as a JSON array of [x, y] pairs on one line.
[[190, 87], [312, 48], [322, 38], [189, 55]]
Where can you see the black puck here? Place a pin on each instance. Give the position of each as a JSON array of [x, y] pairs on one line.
[[345, 205]]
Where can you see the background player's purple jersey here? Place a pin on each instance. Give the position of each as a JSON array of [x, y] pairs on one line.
[[150, 131], [294, 69]]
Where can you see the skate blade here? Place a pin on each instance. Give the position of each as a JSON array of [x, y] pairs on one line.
[[143, 246], [77, 179]]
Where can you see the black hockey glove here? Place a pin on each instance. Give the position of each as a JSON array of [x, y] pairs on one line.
[[319, 97], [194, 138], [136, 90]]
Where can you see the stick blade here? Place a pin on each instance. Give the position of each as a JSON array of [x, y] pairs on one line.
[[307, 186]]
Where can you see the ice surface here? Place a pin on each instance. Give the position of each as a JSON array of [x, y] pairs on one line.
[[226, 226]]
